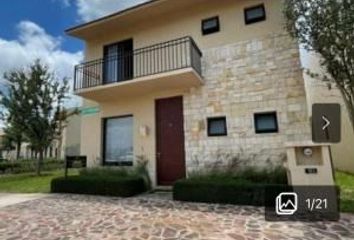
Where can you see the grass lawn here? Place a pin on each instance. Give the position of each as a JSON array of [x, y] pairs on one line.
[[29, 182], [346, 183]]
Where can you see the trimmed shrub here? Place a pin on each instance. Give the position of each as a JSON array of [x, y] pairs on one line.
[[105, 171], [275, 175], [246, 186], [139, 170], [240, 192], [98, 185]]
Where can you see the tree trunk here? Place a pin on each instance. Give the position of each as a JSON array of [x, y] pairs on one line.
[[349, 106], [39, 162], [18, 150], [60, 144], [351, 116]]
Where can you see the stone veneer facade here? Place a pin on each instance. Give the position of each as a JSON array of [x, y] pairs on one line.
[[241, 79]]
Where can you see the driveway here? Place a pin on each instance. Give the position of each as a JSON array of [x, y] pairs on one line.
[[90, 217]]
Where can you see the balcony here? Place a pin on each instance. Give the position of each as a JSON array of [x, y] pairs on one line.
[[175, 64]]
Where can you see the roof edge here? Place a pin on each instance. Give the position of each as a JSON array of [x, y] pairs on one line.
[[71, 29]]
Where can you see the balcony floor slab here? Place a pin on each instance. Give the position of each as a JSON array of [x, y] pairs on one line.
[[178, 79]]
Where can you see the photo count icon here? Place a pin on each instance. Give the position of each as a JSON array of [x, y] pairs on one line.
[[286, 203]]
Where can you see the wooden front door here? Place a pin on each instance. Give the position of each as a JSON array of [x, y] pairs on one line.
[[170, 141]]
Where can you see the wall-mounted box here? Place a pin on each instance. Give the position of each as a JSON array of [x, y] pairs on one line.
[[144, 131], [309, 164]]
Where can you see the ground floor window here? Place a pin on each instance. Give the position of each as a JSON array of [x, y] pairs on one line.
[[266, 122], [255, 14], [118, 141], [217, 126]]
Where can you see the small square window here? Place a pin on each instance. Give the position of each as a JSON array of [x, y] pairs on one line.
[[266, 122], [217, 126], [255, 14], [210, 25]]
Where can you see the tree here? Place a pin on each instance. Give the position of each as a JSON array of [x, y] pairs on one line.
[[12, 100], [33, 103], [45, 97], [326, 27]]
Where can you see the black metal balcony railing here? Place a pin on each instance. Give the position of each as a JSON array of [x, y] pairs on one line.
[[159, 58]]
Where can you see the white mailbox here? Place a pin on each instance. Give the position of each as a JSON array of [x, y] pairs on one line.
[[309, 164]]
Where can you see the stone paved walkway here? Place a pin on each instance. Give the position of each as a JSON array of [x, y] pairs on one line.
[[89, 217]]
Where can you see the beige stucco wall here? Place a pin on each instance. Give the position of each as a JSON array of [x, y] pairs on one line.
[[246, 69], [318, 92], [180, 22], [143, 110], [72, 136], [91, 136]]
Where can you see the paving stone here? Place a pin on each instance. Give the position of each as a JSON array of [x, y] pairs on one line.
[[93, 217]]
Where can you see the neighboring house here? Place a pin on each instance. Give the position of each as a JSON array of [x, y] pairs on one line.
[[318, 92], [187, 83], [70, 143]]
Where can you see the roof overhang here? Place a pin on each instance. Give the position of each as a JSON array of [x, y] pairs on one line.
[[127, 17]]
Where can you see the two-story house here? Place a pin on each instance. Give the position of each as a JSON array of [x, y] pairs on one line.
[[187, 83]]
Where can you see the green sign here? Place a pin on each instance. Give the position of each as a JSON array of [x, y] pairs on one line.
[[89, 111]]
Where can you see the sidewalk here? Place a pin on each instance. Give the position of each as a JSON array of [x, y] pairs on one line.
[[7, 199]]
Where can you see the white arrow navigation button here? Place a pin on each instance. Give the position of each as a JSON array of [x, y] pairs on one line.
[[327, 123]]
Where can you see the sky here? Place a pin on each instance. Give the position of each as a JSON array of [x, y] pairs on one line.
[[31, 29]]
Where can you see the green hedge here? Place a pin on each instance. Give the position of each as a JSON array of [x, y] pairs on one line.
[[136, 171], [26, 165], [112, 186], [231, 191], [120, 172], [271, 175], [4, 166]]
